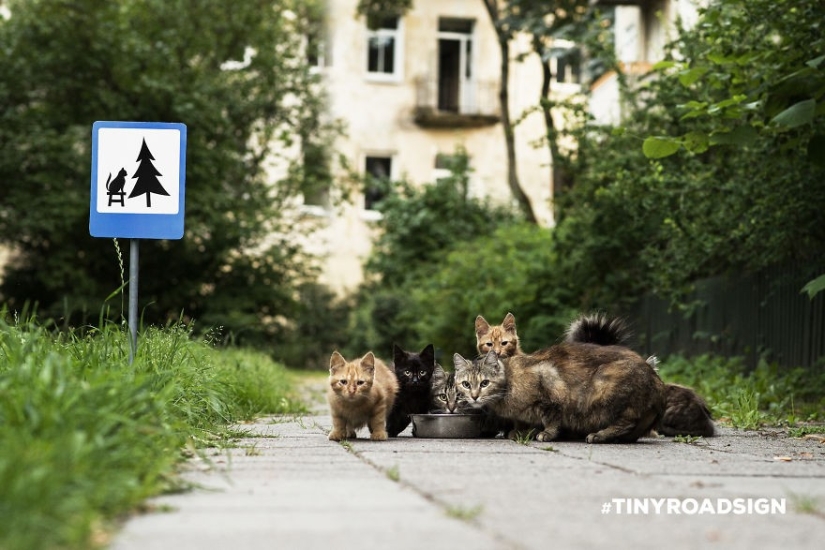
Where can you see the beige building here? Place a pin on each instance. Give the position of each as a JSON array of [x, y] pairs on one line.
[[409, 93], [641, 29]]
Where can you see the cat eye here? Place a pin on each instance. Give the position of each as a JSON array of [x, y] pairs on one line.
[[465, 384], [488, 344], [422, 373], [484, 383], [407, 373], [361, 382], [343, 382], [443, 396], [505, 342]]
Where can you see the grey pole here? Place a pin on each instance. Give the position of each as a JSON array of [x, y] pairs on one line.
[[134, 252]]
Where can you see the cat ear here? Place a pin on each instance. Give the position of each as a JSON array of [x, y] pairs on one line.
[[368, 362], [428, 354], [397, 354], [509, 322], [458, 361], [336, 361], [491, 360], [482, 326], [438, 374]]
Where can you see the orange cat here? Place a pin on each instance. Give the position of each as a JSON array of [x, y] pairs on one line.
[[361, 393], [502, 339]]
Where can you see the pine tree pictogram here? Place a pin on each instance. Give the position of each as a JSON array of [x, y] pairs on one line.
[[147, 177]]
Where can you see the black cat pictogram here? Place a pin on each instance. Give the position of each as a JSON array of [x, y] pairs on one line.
[[114, 187]]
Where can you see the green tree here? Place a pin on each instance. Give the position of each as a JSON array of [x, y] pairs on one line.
[[235, 74], [752, 68], [419, 226], [632, 223]]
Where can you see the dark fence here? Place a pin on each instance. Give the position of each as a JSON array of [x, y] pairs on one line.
[[753, 316]]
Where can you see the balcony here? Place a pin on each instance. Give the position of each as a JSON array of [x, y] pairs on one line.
[[451, 103]]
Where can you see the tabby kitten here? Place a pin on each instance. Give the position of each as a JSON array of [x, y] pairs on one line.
[[448, 399], [686, 413], [445, 396], [501, 339], [603, 394], [414, 372], [361, 393]]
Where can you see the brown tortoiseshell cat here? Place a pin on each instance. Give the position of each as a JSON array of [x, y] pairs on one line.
[[602, 394], [686, 413], [361, 393]]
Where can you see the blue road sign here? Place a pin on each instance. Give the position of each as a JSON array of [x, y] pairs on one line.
[[138, 180]]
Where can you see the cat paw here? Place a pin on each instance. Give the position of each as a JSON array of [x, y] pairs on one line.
[[546, 435], [335, 435], [378, 436], [593, 438]]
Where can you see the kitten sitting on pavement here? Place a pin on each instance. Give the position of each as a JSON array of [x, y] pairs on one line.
[[361, 393], [414, 372]]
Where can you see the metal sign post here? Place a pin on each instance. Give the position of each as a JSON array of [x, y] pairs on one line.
[[134, 253], [138, 182]]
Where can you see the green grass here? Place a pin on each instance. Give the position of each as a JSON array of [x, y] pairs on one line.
[[768, 395], [86, 437], [464, 513], [393, 473]]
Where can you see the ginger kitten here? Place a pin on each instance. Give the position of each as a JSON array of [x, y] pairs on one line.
[[602, 394], [502, 339], [361, 393]]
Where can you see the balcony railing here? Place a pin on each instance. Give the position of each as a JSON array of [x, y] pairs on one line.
[[448, 103]]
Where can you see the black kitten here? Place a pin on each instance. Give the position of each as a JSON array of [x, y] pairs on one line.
[[415, 375]]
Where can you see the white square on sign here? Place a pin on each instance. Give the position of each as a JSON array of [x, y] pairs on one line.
[[138, 171]]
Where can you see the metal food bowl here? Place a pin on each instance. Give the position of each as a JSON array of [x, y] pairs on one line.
[[446, 426]]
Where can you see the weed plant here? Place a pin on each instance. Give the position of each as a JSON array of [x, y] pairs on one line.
[[747, 400], [86, 437]]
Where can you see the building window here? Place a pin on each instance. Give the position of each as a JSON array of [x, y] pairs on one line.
[[384, 48], [456, 84], [378, 172], [316, 51], [566, 61]]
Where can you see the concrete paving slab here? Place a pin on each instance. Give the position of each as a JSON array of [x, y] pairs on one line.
[[287, 486]]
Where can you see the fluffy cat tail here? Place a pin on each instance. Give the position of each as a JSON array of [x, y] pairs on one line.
[[598, 328]]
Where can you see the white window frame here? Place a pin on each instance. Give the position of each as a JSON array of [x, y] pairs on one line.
[[397, 35]]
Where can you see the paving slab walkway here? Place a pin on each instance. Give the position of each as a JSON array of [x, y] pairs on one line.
[[288, 487]]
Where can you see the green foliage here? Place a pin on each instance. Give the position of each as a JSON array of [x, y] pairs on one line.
[[234, 74], [634, 223], [751, 67], [376, 10], [419, 226], [511, 270], [815, 286], [747, 400], [86, 437], [318, 327], [419, 223]]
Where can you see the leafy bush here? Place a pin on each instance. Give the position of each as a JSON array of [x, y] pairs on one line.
[[767, 394]]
